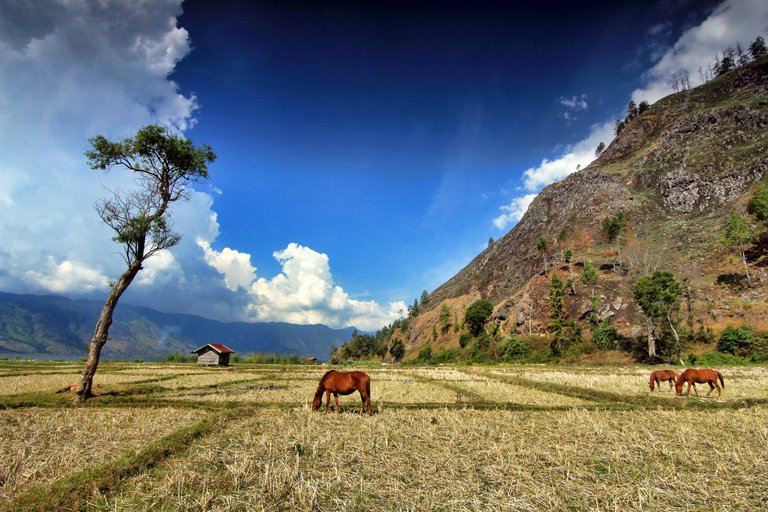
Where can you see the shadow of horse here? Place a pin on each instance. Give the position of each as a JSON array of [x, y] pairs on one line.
[[343, 383]]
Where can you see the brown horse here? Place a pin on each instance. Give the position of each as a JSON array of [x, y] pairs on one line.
[[343, 383], [659, 376], [695, 376]]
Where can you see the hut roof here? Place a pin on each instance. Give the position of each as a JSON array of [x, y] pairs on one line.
[[216, 347]]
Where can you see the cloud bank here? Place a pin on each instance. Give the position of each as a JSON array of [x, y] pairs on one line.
[[72, 69]]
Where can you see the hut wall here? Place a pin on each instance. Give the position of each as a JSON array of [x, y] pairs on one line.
[[209, 358]]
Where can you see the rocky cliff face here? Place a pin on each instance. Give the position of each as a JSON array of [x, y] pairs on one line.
[[676, 171]]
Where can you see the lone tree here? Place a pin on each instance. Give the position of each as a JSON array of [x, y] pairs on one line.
[[658, 295], [163, 164], [476, 315]]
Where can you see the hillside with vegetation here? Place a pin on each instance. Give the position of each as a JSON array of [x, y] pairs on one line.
[[656, 251]]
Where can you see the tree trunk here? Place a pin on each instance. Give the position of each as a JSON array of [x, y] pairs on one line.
[[651, 341], [101, 333], [677, 337], [746, 268]]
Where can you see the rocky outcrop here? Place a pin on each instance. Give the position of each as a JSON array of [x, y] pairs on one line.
[[685, 192]]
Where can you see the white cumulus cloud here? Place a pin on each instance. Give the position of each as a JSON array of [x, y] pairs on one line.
[[304, 292]]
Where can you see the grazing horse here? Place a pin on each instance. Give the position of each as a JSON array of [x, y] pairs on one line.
[[659, 376], [343, 383], [693, 376]]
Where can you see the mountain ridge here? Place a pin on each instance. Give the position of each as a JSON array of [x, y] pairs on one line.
[[52, 324]]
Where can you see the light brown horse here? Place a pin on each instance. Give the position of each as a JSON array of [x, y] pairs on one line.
[[343, 383], [659, 376], [695, 376]]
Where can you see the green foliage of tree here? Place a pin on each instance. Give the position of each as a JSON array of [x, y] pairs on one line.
[[514, 348], [565, 332], [542, 244], [414, 309], [600, 148], [425, 354], [397, 349], [632, 110], [620, 125], [476, 315], [758, 48], [588, 275], [613, 225], [658, 296], [464, 339], [644, 105], [758, 203], [604, 335], [424, 298], [164, 165], [445, 317]]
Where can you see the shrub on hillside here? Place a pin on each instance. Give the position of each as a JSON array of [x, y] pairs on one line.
[[741, 341], [514, 348]]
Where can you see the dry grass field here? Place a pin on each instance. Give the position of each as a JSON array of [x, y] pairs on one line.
[[178, 437]]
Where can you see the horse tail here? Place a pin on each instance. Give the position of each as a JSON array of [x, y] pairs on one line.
[[720, 375]]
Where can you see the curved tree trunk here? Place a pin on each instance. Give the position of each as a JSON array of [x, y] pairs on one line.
[[101, 333]]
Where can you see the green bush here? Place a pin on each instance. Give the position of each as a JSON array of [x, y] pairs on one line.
[[719, 359], [425, 354], [604, 335], [450, 355], [465, 339], [177, 357], [514, 348], [739, 341]]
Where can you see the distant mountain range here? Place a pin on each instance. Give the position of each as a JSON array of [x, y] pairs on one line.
[[49, 324]]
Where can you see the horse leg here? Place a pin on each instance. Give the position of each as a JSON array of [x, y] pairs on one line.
[[718, 389], [695, 391], [671, 382], [688, 391], [327, 401], [366, 398], [338, 408]]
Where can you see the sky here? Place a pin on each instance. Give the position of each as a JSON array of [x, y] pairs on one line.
[[367, 151]]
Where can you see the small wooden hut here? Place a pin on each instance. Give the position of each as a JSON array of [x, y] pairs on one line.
[[213, 354]]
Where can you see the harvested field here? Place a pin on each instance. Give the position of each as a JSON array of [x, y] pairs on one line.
[[177, 437]]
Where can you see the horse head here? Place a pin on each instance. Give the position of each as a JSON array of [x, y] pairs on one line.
[[679, 385], [317, 402]]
